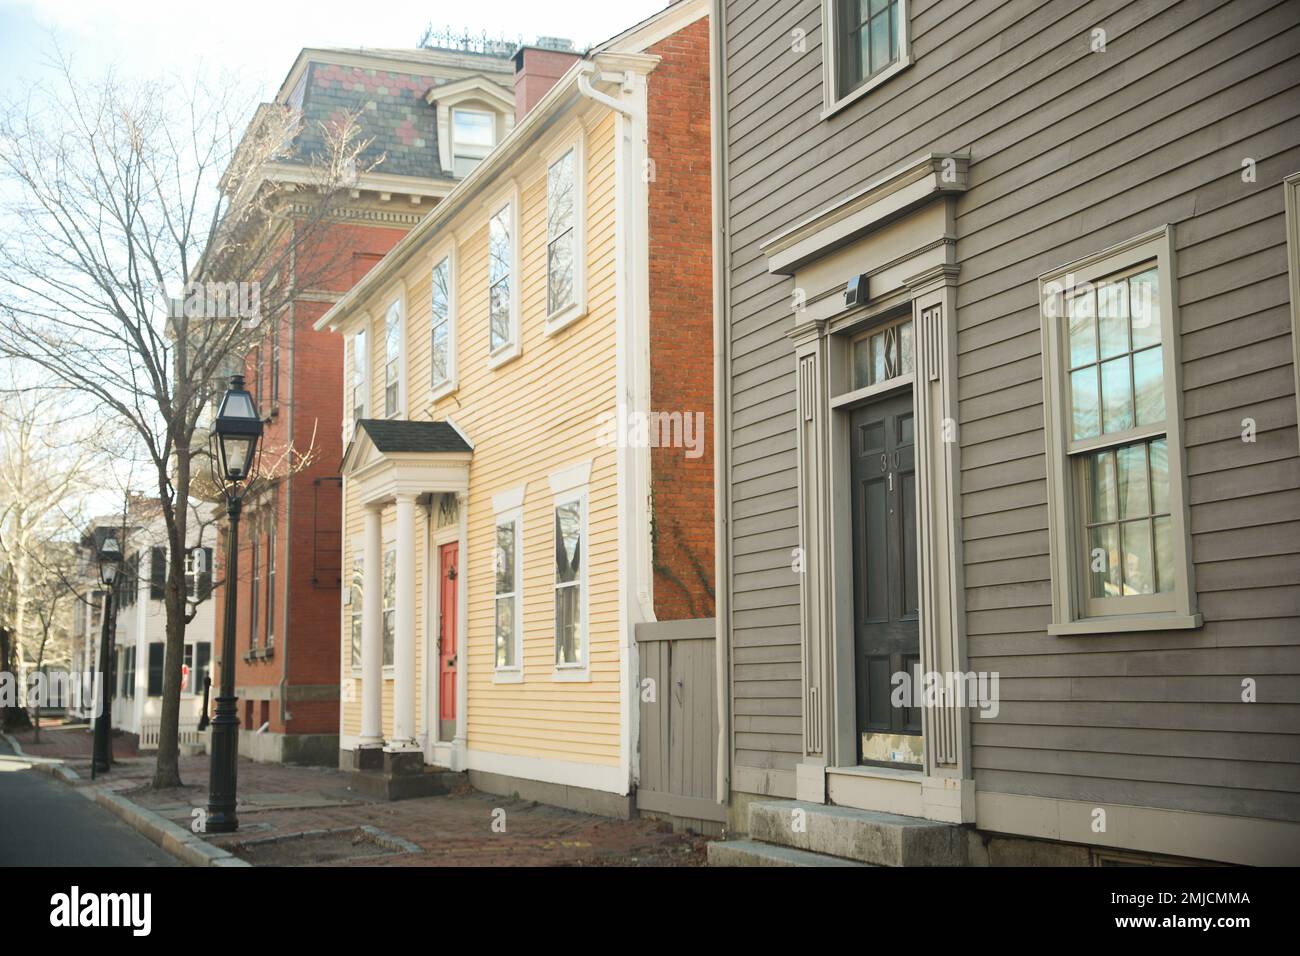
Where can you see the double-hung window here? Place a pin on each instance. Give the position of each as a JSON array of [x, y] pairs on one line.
[[507, 591], [355, 606], [254, 593], [442, 332], [570, 580], [473, 134], [868, 44], [270, 582], [565, 275], [390, 603], [1119, 541], [360, 376], [393, 359], [503, 306]]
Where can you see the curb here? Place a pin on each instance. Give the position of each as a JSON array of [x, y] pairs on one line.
[[189, 848]]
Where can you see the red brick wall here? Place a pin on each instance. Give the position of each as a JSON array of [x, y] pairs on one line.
[[681, 319], [311, 398]]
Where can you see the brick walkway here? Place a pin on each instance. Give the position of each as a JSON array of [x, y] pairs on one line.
[[452, 830], [69, 742]]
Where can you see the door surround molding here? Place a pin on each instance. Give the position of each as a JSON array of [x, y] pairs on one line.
[[910, 262]]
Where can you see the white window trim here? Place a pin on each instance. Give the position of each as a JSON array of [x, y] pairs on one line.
[[451, 383], [397, 294], [513, 674], [832, 101], [577, 142], [367, 371], [567, 486], [1068, 599], [511, 350], [1291, 186]]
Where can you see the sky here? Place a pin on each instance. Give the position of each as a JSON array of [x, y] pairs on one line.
[[257, 40]]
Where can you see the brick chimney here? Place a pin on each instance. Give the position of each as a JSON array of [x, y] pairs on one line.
[[537, 68]]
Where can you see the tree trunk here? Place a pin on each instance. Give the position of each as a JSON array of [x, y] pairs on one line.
[[167, 772]]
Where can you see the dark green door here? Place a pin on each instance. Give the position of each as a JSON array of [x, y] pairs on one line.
[[886, 634]]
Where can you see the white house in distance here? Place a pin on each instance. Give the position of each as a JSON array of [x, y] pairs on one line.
[[141, 632]]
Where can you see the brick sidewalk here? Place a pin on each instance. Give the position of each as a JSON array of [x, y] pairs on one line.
[[451, 830], [70, 742]]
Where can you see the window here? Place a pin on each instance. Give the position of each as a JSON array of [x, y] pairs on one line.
[[473, 134], [882, 354], [507, 592], [198, 574], [501, 261], [1116, 486], [390, 604], [870, 45], [442, 358], [355, 605], [257, 376], [270, 584], [570, 624], [360, 376], [561, 238], [393, 359], [255, 592], [128, 673]]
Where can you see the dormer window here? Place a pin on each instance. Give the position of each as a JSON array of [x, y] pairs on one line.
[[473, 134]]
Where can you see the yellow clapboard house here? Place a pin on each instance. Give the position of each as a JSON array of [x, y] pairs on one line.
[[497, 532]]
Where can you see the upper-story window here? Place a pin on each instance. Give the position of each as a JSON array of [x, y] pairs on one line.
[[360, 375], [868, 45], [441, 327], [502, 305], [393, 359], [561, 238], [473, 134], [1116, 480]]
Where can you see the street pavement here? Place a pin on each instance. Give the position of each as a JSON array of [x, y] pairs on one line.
[[44, 823]]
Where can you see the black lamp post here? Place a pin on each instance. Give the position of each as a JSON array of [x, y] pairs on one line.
[[237, 429], [110, 556]]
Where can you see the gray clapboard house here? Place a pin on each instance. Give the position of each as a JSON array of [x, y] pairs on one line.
[[1008, 296]]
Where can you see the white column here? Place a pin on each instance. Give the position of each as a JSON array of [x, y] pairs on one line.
[[404, 638], [372, 632]]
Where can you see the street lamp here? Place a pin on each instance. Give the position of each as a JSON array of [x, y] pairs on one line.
[[110, 557], [235, 434]]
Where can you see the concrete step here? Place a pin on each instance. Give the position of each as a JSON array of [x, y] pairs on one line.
[[879, 839], [381, 785], [753, 853]]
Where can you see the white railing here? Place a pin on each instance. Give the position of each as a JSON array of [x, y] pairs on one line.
[[150, 729]]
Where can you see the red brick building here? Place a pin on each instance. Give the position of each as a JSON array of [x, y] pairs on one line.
[[430, 116]]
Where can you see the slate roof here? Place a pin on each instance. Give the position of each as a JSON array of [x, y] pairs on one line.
[[391, 435], [393, 110]]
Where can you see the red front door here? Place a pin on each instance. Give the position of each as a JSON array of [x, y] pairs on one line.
[[447, 574]]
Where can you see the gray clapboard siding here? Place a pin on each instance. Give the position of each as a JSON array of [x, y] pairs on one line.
[[1071, 151]]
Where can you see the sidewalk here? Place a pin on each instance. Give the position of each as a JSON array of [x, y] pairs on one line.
[[276, 802]]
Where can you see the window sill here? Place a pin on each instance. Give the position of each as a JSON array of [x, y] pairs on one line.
[[390, 672], [833, 107], [1127, 624], [442, 391], [572, 675], [508, 675], [503, 355], [564, 318]]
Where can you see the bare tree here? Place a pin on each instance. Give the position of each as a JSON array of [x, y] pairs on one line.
[[158, 238], [45, 472]]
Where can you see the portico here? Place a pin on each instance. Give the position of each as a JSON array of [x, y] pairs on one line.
[[402, 468]]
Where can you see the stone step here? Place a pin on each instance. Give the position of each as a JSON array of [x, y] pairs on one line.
[[753, 853], [382, 785], [879, 839]]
